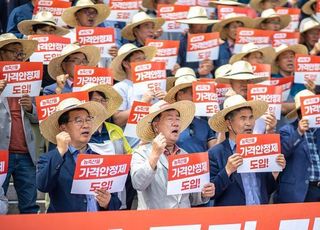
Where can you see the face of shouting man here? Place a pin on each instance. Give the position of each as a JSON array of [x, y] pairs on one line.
[[144, 31], [240, 121], [12, 52], [285, 62], [86, 17]]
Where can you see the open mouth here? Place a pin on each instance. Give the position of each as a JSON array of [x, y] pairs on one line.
[[175, 131], [85, 133], [248, 130]]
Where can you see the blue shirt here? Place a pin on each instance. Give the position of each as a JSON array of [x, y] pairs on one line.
[[250, 182], [196, 136], [91, 201], [18, 14], [224, 55], [100, 137]]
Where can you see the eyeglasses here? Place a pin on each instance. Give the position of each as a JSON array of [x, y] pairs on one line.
[[90, 12], [191, 130], [78, 61], [80, 122], [16, 53], [102, 100]]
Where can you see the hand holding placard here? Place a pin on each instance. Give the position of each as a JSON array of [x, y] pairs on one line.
[[234, 161]]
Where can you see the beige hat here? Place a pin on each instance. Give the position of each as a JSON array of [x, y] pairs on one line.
[[116, 65], [150, 4], [29, 46], [217, 122], [41, 18], [232, 17], [303, 93], [115, 99], [50, 127], [297, 49], [307, 7], [285, 19], [308, 24], [182, 79], [197, 15], [138, 19], [92, 53], [255, 4], [69, 17], [267, 52], [222, 71], [185, 108], [240, 70], [226, 2]]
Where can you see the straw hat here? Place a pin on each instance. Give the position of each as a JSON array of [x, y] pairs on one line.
[[42, 18], [267, 52], [197, 15], [92, 53], [222, 70], [308, 24], [69, 17], [226, 2], [115, 100], [303, 93], [29, 46], [240, 70], [297, 49], [123, 52], [307, 7], [271, 13], [150, 4], [217, 122], [138, 19], [185, 108], [183, 79], [255, 4], [232, 17], [50, 128]]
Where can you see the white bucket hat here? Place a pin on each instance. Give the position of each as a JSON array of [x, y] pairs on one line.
[[217, 122], [308, 24], [285, 19], [267, 52], [303, 93], [41, 18], [123, 52], [182, 79], [50, 127], [138, 19], [185, 108], [197, 15]]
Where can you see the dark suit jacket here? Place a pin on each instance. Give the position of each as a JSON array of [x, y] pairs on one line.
[[294, 180], [55, 175], [229, 190]]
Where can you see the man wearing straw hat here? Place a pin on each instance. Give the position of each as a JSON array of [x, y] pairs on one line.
[[16, 119], [198, 22], [61, 68], [270, 20], [70, 128], [261, 5], [228, 32], [198, 136], [310, 34], [238, 117], [160, 130], [300, 180], [141, 27]]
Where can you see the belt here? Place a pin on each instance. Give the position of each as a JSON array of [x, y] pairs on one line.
[[314, 183]]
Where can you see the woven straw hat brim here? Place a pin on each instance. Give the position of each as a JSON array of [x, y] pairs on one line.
[[186, 110], [149, 4], [170, 96], [49, 128], [227, 79], [306, 8], [292, 114], [255, 4], [170, 82], [25, 27], [92, 53], [284, 21], [29, 46], [127, 31], [228, 3], [218, 124], [69, 17], [115, 100], [268, 55], [116, 64], [201, 21], [218, 27], [297, 49]]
